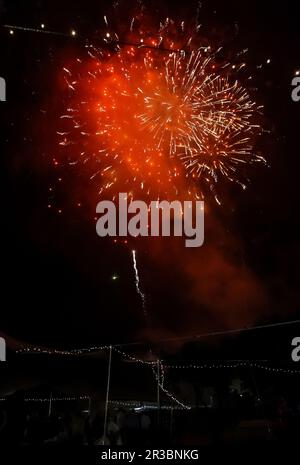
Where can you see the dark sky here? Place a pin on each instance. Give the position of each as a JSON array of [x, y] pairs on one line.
[[56, 274]]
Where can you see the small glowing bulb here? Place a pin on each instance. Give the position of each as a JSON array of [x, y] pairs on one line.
[[107, 34], [297, 73], [114, 277], [11, 32], [73, 33], [268, 61], [233, 66], [43, 26]]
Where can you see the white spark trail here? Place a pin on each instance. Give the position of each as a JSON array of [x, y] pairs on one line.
[[137, 283]]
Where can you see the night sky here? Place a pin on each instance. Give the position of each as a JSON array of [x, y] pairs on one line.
[[57, 286]]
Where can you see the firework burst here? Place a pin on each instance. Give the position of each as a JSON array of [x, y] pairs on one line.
[[150, 117]]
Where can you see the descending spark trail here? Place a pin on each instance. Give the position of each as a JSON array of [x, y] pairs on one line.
[[137, 284]]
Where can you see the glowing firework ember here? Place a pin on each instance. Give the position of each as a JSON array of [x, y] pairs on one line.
[[158, 116]]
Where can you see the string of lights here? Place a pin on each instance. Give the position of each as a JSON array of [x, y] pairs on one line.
[[247, 364], [117, 347], [115, 403], [134, 359], [53, 399], [160, 378], [142, 405], [72, 352], [131, 358], [41, 30]]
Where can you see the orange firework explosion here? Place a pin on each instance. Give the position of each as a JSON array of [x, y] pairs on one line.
[[156, 121]]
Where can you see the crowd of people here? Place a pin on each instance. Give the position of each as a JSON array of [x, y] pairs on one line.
[[238, 416], [37, 427]]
